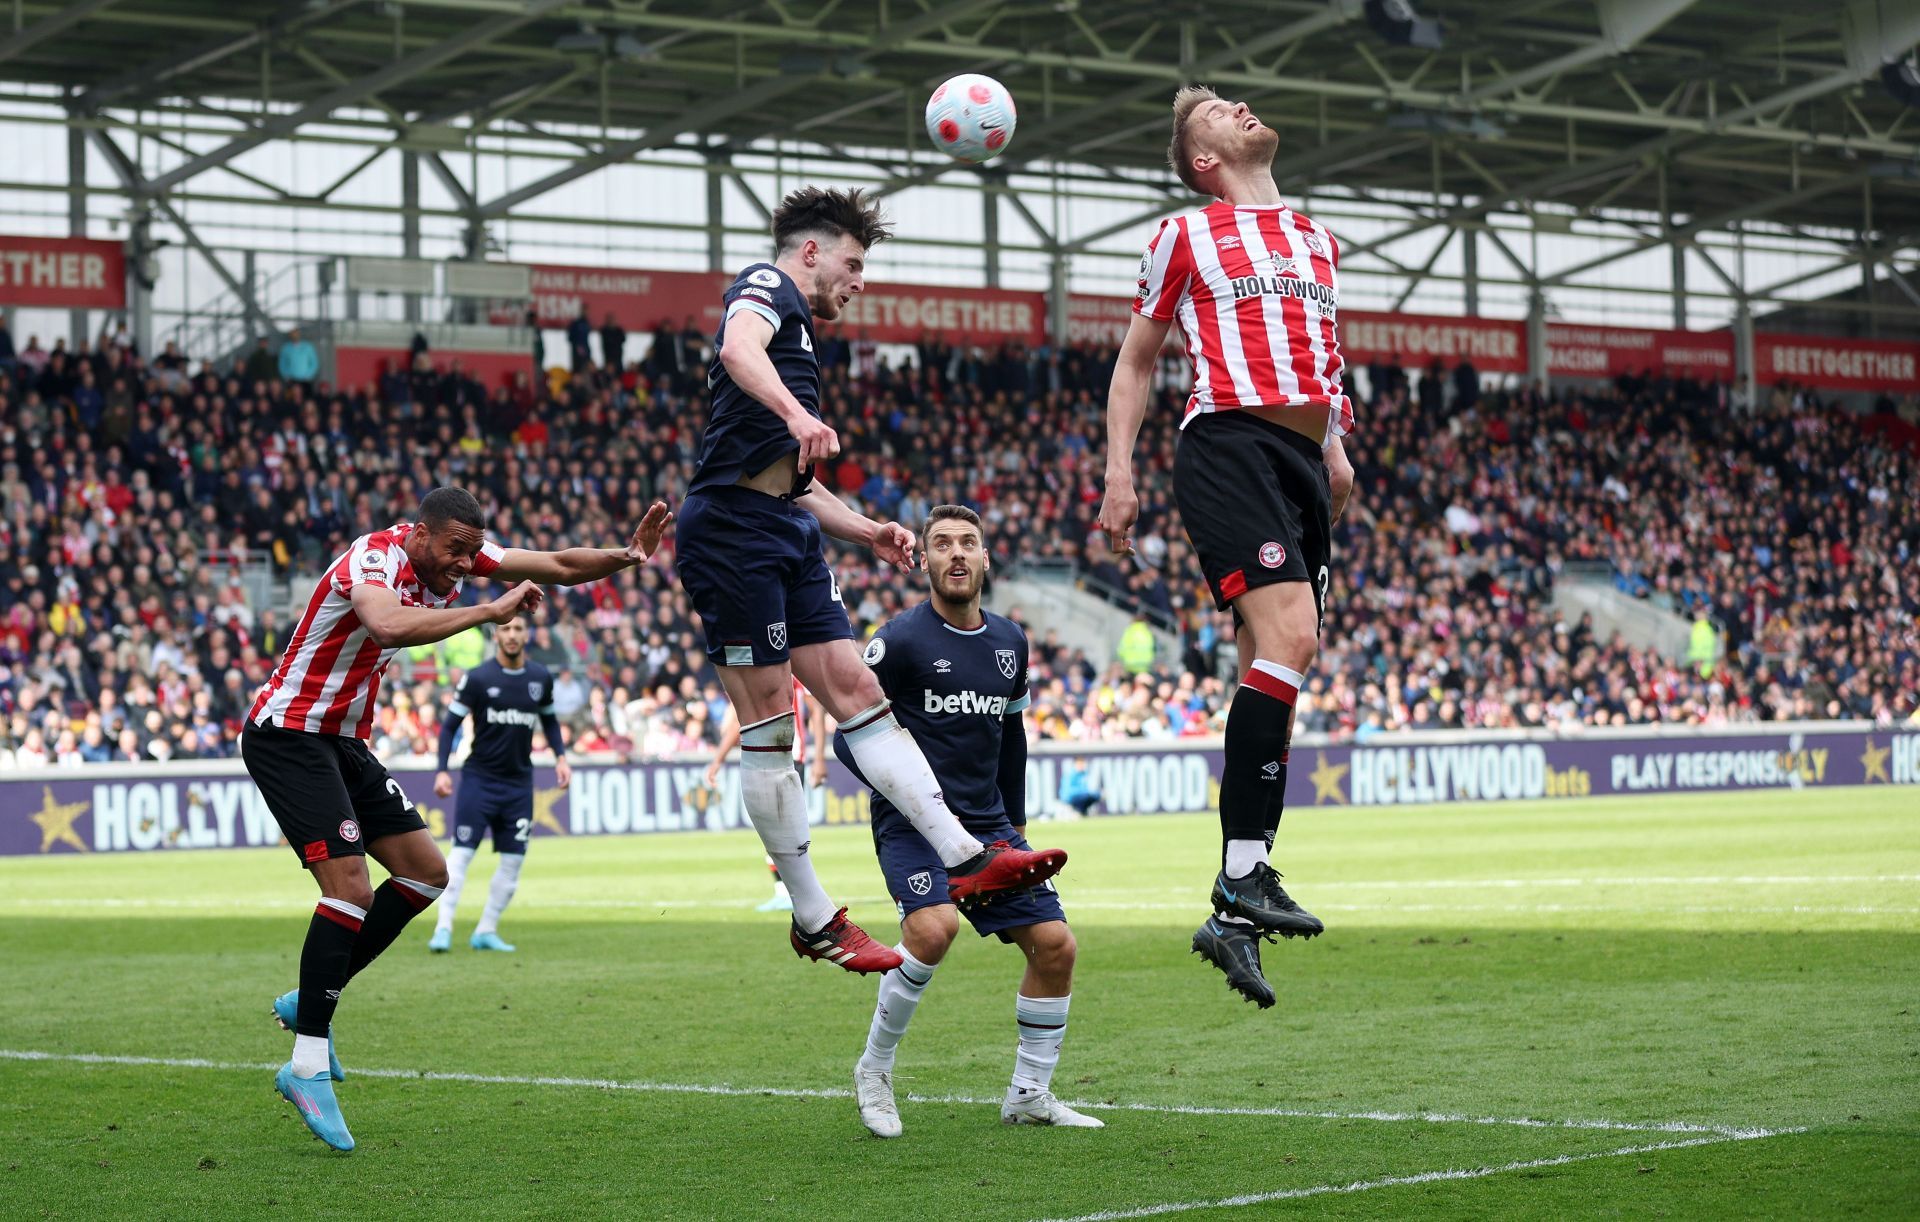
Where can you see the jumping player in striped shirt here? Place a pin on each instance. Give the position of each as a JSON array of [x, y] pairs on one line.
[[305, 747], [1259, 477]]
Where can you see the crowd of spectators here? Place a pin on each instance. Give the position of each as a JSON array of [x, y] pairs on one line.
[[142, 499]]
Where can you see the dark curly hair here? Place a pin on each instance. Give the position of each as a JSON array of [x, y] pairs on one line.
[[817, 212]]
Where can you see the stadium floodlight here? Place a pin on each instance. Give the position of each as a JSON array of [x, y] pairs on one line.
[[1395, 21]]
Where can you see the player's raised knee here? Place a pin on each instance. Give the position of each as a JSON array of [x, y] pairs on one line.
[[1053, 947], [929, 932]]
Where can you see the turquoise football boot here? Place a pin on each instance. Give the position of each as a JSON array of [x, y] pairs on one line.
[[489, 941], [314, 1097], [286, 1008], [441, 941]]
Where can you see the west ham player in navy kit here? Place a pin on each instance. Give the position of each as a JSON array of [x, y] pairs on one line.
[[305, 747], [507, 697], [752, 561], [1260, 474], [958, 678]]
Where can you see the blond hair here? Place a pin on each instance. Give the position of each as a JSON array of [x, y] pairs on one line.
[[1179, 150]]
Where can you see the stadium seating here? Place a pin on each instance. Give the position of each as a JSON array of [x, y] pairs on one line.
[[139, 500]]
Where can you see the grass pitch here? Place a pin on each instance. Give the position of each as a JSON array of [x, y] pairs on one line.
[[1695, 1006]]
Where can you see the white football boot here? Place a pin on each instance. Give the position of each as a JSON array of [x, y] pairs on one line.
[[1040, 1107], [873, 1089]]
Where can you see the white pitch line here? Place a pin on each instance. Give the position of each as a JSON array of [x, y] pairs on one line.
[[1718, 1132], [1392, 1181]]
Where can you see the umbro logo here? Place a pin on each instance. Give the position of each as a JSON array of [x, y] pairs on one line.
[[1230, 242], [494, 692], [1271, 768], [943, 666]]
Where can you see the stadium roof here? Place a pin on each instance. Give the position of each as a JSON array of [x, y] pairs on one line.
[[1710, 111]]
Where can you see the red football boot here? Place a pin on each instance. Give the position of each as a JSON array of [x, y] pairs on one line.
[[1001, 867], [846, 944]]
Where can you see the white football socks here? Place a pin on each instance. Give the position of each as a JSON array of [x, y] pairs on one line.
[[777, 805], [900, 991], [1043, 1026], [457, 862], [309, 1055], [893, 764], [1244, 855], [506, 879]]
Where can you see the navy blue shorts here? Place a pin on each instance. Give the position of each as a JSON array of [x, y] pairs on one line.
[[754, 566], [916, 879], [490, 804]]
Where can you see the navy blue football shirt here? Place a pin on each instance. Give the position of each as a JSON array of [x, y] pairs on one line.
[[953, 690], [506, 707], [744, 435]]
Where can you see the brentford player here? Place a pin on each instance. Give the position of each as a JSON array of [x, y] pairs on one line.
[[305, 747], [1259, 477]]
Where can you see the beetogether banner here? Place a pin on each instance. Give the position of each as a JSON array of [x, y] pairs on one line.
[[152, 808]]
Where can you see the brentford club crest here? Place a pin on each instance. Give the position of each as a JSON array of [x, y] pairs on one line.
[[1008, 663], [1272, 555], [1314, 243], [349, 830]]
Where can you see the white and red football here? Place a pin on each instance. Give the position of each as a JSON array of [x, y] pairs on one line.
[[971, 118]]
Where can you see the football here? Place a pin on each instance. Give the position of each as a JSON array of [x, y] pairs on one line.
[[971, 118]]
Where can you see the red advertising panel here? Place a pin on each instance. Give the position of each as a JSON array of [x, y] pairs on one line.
[[903, 313], [63, 272], [639, 300], [1493, 345], [357, 367], [886, 313], [1837, 364], [1575, 350]]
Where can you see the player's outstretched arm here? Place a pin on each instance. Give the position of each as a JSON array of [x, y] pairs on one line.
[[890, 541], [578, 565], [393, 626], [1126, 409]]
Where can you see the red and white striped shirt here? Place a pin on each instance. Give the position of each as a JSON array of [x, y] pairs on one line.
[[1254, 289], [329, 676]]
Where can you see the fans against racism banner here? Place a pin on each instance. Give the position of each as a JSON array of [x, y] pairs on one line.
[[1575, 351]]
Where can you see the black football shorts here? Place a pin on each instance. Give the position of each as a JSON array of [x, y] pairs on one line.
[[1256, 502], [328, 793]]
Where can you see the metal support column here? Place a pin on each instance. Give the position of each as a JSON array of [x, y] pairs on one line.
[[1057, 300], [250, 300], [79, 321], [716, 212], [409, 222], [1679, 275], [990, 233], [1743, 353], [1537, 337], [140, 261], [1470, 268], [1867, 277]]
